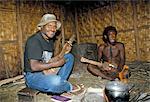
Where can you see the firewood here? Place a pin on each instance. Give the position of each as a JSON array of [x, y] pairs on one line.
[[5, 81]]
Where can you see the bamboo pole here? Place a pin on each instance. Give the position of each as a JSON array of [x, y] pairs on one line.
[[136, 34], [8, 42], [19, 32]]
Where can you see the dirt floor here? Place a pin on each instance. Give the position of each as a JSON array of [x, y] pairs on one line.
[[140, 78], [8, 93]]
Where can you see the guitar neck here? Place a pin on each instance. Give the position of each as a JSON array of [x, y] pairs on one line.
[[96, 63], [90, 61]]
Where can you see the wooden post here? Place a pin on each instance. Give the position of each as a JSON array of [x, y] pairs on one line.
[[91, 25], [136, 34], [76, 27], [19, 32], [62, 25], [112, 14], [57, 45]]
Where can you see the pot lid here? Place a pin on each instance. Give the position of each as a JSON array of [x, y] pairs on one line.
[[116, 86]]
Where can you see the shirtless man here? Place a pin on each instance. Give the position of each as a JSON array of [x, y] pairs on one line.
[[111, 56]]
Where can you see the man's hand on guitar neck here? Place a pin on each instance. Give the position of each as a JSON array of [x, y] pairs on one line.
[[66, 48], [106, 66]]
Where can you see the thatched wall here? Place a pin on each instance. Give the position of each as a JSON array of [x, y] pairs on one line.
[[19, 18], [18, 21], [131, 20], [10, 54]]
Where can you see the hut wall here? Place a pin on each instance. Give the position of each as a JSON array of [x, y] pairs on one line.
[[131, 20], [18, 21], [143, 27], [19, 18], [9, 49]]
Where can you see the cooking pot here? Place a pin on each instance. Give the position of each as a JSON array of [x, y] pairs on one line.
[[117, 91]]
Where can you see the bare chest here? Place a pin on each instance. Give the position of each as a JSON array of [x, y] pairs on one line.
[[111, 51]]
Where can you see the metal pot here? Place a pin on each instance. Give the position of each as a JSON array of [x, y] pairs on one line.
[[117, 91]]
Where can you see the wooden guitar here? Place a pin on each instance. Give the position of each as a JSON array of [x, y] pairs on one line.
[[66, 49], [123, 75], [100, 64], [67, 44]]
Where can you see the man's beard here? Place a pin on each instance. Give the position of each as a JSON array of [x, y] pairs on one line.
[[112, 42], [51, 36]]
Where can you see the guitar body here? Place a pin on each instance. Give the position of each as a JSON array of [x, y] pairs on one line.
[[124, 74], [110, 70], [66, 49], [113, 72]]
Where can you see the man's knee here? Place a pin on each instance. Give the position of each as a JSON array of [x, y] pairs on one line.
[[69, 56], [90, 67]]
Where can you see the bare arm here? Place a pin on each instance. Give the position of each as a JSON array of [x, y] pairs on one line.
[[66, 49], [100, 51], [56, 58], [40, 66], [122, 57], [53, 62]]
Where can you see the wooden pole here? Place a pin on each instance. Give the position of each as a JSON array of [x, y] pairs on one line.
[[62, 25], [57, 45], [19, 32], [10, 80], [136, 34], [112, 14], [91, 25], [76, 26]]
